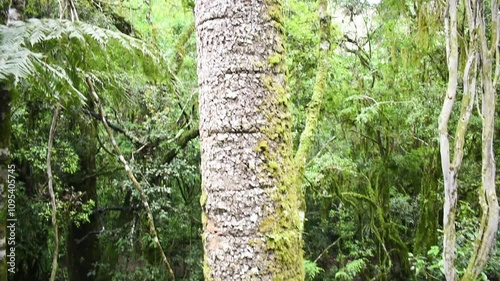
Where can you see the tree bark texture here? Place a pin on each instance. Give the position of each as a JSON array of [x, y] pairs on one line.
[[15, 12], [5, 128], [480, 58], [251, 224]]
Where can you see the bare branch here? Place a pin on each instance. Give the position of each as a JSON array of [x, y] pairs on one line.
[[130, 173], [52, 195]]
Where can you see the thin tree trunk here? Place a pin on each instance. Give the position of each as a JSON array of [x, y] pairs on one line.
[[130, 174], [314, 106], [251, 223], [449, 174], [53, 203], [487, 192], [477, 51]]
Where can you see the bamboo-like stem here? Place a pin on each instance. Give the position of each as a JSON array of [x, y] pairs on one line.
[[130, 174], [52, 194]]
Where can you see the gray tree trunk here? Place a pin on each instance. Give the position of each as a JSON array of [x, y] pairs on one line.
[[5, 125], [249, 197], [16, 12]]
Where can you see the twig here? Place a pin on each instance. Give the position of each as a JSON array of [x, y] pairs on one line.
[[52, 195], [327, 248]]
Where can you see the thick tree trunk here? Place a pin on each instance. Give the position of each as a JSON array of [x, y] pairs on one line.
[[249, 195], [83, 247], [5, 126], [16, 12]]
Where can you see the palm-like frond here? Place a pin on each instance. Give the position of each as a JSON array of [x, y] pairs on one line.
[[64, 52], [17, 62]]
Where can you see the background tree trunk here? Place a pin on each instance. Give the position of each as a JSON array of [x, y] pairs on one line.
[[5, 125], [249, 195], [84, 254]]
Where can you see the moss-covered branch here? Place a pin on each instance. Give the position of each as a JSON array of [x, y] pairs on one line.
[[314, 106], [180, 50]]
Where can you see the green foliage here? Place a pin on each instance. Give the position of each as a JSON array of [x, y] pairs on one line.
[[64, 53], [372, 180], [311, 269], [351, 270]]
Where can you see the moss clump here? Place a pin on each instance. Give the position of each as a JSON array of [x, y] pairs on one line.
[[277, 89], [275, 13], [274, 60], [282, 228], [262, 146], [274, 10], [203, 198], [273, 166]]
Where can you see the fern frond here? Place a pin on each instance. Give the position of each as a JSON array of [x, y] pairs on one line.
[[37, 31], [355, 267], [342, 275], [67, 51], [17, 62]]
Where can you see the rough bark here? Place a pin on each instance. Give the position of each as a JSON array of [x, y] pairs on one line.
[[5, 126], [251, 224], [15, 12]]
